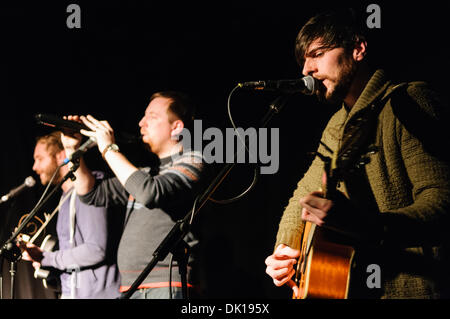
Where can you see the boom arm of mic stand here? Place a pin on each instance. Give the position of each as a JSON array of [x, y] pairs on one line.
[[6, 245], [181, 227]]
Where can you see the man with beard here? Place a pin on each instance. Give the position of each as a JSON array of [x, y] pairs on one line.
[[394, 210], [87, 235]]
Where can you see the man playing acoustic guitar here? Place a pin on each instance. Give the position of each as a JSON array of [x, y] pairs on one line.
[[87, 236], [391, 197]]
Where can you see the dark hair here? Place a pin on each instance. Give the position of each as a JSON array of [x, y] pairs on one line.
[[52, 141], [336, 29], [181, 106]]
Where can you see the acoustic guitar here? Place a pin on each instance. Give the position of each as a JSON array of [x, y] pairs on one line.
[[49, 276], [323, 268]]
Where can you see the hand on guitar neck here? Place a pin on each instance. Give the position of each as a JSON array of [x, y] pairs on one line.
[[31, 252], [316, 205], [315, 208]]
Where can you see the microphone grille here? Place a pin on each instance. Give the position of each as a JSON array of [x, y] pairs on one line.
[[310, 84], [30, 181]]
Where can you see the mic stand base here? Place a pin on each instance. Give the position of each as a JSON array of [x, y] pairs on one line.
[[12, 271], [181, 254]]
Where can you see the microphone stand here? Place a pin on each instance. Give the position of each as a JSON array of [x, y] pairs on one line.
[[173, 242], [9, 249]]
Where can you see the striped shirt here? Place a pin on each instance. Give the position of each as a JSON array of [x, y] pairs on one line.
[[154, 198]]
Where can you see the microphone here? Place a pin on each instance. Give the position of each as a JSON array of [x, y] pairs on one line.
[[74, 127], [29, 182], [91, 142], [59, 123], [306, 85]]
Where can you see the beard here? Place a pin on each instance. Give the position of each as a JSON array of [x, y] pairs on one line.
[[342, 84], [47, 174]]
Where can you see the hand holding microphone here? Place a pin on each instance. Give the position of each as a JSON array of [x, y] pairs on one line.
[[100, 130], [100, 134]]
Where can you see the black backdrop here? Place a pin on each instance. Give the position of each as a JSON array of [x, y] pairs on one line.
[[126, 50]]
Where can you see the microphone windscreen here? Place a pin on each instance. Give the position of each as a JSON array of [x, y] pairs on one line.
[[30, 181], [310, 84]]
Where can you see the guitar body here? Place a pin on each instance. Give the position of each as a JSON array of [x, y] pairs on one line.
[[50, 277], [323, 269], [324, 266]]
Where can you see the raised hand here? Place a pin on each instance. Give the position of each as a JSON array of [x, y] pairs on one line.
[[101, 130]]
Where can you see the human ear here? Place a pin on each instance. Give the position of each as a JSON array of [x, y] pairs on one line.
[[360, 50], [60, 157], [177, 127]]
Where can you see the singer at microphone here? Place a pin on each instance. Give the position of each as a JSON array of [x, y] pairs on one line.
[[160, 191]]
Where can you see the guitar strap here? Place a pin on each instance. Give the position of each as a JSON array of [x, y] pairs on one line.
[[72, 211], [73, 269]]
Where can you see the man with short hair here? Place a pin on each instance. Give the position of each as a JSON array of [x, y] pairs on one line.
[[154, 197], [87, 235], [394, 210]]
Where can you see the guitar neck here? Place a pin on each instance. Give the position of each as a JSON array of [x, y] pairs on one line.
[[48, 219], [41, 229]]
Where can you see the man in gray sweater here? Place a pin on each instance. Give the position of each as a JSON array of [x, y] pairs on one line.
[[154, 197]]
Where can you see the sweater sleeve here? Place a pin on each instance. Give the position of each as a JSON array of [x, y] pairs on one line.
[[172, 185], [105, 193], [426, 219], [291, 224], [91, 226]]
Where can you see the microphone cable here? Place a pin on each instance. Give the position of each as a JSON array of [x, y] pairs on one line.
[[221, 201], [256, 172]]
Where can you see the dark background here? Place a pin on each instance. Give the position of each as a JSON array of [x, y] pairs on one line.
[[127, 50]]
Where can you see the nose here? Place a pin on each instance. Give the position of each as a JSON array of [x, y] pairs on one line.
[[34, 167], [142, 122], [309, 67]]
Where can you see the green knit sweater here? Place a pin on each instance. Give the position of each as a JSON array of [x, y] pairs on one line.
[[406, 186]]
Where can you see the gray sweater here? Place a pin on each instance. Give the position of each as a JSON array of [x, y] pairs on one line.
[[154, 198]]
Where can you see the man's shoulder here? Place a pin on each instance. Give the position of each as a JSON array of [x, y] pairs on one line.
[[189, 157], [418, 97]]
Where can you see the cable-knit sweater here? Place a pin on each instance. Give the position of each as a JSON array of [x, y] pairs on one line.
[[405, 187]]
